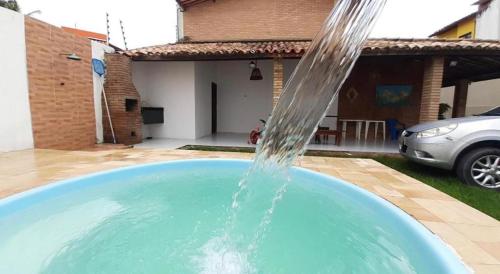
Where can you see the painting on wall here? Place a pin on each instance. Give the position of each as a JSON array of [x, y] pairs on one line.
[[394, 95]]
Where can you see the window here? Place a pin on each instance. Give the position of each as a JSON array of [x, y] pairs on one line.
[[466, 36]]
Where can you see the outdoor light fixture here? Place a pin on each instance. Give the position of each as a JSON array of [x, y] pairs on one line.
[[72, 56], [256, 74]]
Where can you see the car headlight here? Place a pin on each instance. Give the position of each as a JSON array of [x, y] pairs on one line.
[[438, 131]]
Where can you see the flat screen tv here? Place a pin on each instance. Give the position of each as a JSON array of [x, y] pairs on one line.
[[152, 115]]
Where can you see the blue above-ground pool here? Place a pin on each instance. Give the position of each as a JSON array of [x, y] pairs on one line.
[[177, 217]]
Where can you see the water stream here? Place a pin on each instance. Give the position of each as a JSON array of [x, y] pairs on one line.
[[305, 99]]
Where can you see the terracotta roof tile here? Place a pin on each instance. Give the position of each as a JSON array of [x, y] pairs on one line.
[[297, 48]]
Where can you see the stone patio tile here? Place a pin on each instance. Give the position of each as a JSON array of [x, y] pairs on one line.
[[470, 252], [492, 248], [421, 214], [403, 202], [485, 234], [426, 194], [384, 192], [471, 233], [486, 268], [455, 212]]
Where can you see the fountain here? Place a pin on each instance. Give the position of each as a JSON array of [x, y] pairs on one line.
[[193, 217]]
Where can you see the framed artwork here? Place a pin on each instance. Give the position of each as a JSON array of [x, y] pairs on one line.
[[393, 95]]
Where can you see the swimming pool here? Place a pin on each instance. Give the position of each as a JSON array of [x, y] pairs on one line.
[[172, 217]]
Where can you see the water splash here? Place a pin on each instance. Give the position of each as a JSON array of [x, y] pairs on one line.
[[312, 88]]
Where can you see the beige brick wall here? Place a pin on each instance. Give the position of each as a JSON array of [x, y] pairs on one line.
[[60, 90], [277, 79], [255, 19], [431, 89], [127, 125]]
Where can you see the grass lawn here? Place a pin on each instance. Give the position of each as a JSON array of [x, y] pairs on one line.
[[484, 200]]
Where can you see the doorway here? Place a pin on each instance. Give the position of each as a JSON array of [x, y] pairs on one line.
[[214, 108]]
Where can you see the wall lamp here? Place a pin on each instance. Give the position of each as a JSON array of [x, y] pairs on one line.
[[72, 56], [256, 74]]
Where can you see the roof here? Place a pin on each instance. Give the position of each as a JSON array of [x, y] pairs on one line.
[[454, 24], [291, 49], [187, 3], [483, 4], [87, 34]]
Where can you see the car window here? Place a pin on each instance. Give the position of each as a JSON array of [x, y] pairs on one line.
[[493, 112]]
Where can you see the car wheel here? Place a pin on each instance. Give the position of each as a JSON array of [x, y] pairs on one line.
[[481, 167]]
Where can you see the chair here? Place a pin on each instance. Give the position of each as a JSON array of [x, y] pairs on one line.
[[395, 128], [325, 132]]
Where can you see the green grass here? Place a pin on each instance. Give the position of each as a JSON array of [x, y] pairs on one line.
[[487, 201]]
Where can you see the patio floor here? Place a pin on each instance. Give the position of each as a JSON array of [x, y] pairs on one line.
[[473, 235], [240, 140]]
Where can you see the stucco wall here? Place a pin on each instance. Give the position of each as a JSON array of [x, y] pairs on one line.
[[98, 51], [488, 22], [170, 85], [205, 74], [184, 90], [15, 124], [482, 96], [241, 102]]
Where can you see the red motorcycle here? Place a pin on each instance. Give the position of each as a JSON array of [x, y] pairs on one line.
[[256, 133]]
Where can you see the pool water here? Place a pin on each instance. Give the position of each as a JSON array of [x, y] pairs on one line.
[[173, 218]]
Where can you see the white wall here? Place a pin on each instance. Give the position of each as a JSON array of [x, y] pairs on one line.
[[205, 74], [170, 85], [482, 96], [184, 90], [98, 51], [488, 22], [241, 102], [15, 124]]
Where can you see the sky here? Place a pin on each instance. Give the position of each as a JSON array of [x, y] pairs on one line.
[[153, 22]]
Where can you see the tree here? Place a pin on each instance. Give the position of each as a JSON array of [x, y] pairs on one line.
[[10, 4]]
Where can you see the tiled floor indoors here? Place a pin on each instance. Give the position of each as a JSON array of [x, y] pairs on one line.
[[473, 235], [240, 140]]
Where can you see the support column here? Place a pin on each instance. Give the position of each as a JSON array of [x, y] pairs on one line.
[[277, 79], [431, 89], [460, 98]]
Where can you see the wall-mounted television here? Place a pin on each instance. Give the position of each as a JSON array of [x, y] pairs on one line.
[[152, 115]]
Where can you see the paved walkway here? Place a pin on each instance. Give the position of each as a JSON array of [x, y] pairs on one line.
[[473, 235]]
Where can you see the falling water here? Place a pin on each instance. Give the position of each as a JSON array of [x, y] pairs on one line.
[[316, 81], [304, 101]]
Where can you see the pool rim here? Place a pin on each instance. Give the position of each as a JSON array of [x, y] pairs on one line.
[[447, 255]]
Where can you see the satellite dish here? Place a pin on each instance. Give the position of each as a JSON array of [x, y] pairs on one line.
[[99, 66]]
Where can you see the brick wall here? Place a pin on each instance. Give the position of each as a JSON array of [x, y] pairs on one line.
[[372, 71], [255, 19], [60, 90], [431, 90], [119, 87], [277, 80]]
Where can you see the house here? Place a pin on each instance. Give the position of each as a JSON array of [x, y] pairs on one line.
[[483, 24], [213, 86], [203, 83], [464, 28]]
